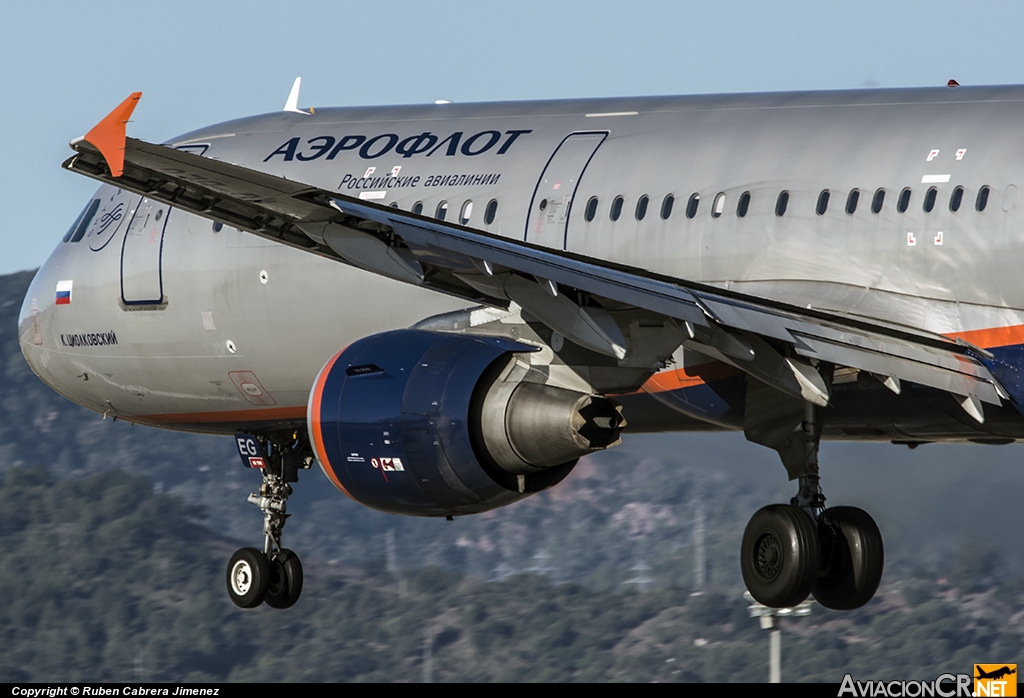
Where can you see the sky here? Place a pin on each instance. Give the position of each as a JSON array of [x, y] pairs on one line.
[[66, 64]]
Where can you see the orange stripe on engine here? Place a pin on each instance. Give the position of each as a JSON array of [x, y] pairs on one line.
[[315, 427]]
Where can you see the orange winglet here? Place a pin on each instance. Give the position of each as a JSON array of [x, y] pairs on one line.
[[108, 135]]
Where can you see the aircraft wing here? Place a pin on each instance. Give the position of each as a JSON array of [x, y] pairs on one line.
[[577, 296]]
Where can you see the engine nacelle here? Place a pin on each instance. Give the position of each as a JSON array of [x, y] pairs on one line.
[[431, 424]]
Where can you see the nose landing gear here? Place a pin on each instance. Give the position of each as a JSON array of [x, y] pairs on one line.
[[791, 551], [273, 575], [248, 577], [285, 579]]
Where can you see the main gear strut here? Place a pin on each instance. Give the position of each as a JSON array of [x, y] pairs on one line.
[[791, 551]]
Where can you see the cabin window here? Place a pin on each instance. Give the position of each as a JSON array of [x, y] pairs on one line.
[[955, 199], [77, 229], [641, 207], [904, 202], [743, 205], [719, 205], [692, 204], [441, 211], [591, 210], [823, 198], [466, 212], [217, 226], [616, 209], [417, 208], [851, 201], [877, 201], [781, 204], [929, 199], [666, 206], [982, 201], [393, 204], [491, 211]]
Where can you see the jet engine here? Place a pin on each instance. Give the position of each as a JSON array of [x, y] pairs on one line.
[[432, 424]]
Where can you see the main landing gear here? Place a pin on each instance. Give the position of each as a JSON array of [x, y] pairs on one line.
[[791, 551], [274, 574]]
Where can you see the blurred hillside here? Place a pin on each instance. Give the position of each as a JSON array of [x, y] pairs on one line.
[[95, 592]]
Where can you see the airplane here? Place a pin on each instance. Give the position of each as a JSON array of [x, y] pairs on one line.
[[995, 674], [445, 306]]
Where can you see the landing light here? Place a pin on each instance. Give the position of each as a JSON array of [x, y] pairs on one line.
[[767, 616]]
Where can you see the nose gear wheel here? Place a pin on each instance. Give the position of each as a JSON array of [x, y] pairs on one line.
[[248, 577], [286, 580]]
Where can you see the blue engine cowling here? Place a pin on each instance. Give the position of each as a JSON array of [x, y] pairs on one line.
[[431, 424]]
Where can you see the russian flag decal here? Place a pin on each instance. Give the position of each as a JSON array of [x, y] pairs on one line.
[[64, 292]]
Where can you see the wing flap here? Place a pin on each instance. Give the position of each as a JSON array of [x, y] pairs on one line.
[[961, 383], [927, 359]]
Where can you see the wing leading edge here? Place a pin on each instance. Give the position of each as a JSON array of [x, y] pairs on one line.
[[580, 297]]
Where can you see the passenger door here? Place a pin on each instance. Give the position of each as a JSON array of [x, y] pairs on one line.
[[141, 255]]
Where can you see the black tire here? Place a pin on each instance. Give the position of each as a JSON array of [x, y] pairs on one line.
[[780, 556], [248, 577], [852, 558], [286, 580]]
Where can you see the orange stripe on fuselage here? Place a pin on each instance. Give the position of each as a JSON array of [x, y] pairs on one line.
[[679, 379], [263, 415], [664, 381], [315, 427], [991, 338]]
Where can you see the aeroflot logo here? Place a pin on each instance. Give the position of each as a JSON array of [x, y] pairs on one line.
[[370, 148], [109, 218]]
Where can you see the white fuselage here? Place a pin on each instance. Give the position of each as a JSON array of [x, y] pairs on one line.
[[176, 321]]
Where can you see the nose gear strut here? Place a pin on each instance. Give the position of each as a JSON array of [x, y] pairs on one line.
[[275, 575]]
